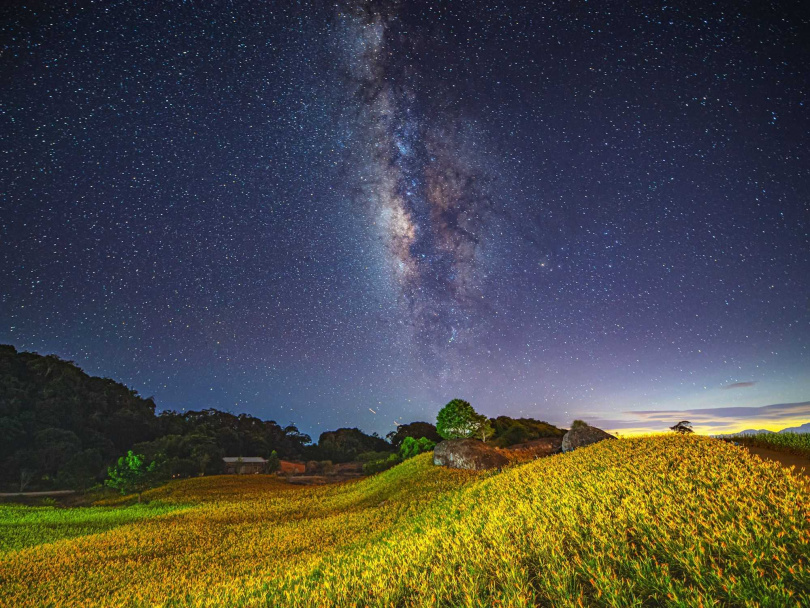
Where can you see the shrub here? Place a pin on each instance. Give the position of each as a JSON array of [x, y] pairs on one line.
[[371, 456], [378, 466], [411, 447]]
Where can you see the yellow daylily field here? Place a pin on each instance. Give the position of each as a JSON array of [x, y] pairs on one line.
[[649, 521]]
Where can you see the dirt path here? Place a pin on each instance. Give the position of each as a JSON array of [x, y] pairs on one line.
[[37, 494], [801, 463]]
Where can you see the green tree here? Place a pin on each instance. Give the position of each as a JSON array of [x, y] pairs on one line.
[[55, 447], [343, 445], [411, 447], [273, 462], [81, 471], [415, 430], [509, 431], [458, 420], [484, 430], [131, 474]]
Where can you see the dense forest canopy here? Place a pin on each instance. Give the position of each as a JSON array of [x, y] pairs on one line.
[[60, 427]]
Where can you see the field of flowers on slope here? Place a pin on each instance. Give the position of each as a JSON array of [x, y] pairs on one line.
[[681, 521]]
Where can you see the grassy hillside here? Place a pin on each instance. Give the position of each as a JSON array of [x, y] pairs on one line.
[[657, 521], [22, 527]]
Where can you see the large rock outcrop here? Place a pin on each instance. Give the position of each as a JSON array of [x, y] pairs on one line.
[[582, 435], [467, 454]]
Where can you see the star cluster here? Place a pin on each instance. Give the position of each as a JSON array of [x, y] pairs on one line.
[[306, 210]]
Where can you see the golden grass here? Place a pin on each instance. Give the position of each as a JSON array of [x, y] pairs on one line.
[[681, 521]]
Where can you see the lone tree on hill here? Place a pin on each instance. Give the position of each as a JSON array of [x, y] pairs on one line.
[[458, 420], [131, 474], [684, 427]]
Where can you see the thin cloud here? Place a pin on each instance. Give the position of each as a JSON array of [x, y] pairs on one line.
[[748, 384]]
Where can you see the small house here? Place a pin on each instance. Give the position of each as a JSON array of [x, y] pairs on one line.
[[244, 465]]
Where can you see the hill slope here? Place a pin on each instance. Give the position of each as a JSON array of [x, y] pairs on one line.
[[652, 521]]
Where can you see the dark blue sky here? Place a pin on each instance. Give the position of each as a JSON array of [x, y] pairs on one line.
[[346, 214]]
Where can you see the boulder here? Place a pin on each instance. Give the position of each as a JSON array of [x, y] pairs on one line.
[[467, 454], [582, 435]]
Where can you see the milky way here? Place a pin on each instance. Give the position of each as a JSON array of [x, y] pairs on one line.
[[349, 213], [425, 192]]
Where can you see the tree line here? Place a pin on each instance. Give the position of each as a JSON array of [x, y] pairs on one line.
[[62, 428]]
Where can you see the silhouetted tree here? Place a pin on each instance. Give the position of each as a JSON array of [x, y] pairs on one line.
[[509, 431], [684, 427], [345, 444], [415, 430]]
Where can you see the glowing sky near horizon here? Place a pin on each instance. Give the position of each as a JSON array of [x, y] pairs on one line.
[[347, 214]]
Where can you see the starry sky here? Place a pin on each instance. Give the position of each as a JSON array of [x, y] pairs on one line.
[[349, 213]]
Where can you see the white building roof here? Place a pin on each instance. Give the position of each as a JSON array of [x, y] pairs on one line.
[[244, 459]]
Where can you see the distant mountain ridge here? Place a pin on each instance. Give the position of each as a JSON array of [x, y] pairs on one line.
[[750, 432], [803, 428]]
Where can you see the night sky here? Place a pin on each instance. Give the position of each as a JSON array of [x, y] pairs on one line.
[[347, 214]]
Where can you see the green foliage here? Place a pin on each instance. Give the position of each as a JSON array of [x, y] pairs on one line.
[[184, 455], [378, 466], [56, 421], [415, 430], [510, 431], [411, 447], [55, 447], [81, 471], [578, 424], [458, 420], [131, 475], [793, 443], [343, 445], [484, 430], [370, 456], [273, 462]]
